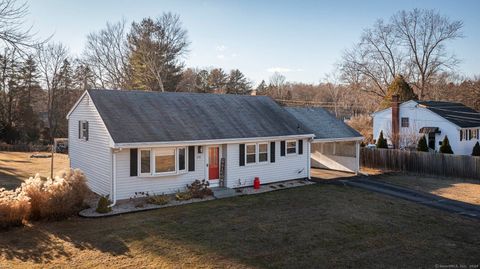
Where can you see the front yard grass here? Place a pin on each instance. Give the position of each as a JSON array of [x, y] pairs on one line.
[[16, 167], [463, 190], [315, 226]]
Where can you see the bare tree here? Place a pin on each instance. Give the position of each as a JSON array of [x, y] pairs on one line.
[[12, 26], [411, 44], [277, 84], [106, 54], [50, 58], [424, 33]]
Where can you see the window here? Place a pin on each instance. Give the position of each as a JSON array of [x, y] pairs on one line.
[[262, 152], [291, 147], [160, 161], [405, 122], [182, 159], [144, 161], [251, 153], [164, 160], [83, 130]]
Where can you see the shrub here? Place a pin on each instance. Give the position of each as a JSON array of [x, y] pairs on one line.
[[476, 150], [56, 198], [158, 199], [14, 208], [183, 196], [382, 142], [200, 189], [445, 147], [422, 144], [103, 205]]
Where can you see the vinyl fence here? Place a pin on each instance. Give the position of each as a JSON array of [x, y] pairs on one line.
[[421, 162]]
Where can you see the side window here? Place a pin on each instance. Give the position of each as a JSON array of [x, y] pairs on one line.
[[182, 157], [83, 130], [405, 122], [145, 161], [291, 147], [251, 153], [262, 152]]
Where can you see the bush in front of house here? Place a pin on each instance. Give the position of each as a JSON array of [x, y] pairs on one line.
[[183, 195], [381, 141], [476, 149], [200, 189], [156, 199], [103, 205], [445, 147], [422, 144], [56, 198], [14, 208]]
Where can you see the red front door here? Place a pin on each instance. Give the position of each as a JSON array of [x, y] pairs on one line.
[[213, 167]]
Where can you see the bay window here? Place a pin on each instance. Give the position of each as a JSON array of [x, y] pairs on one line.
[[159, 161]]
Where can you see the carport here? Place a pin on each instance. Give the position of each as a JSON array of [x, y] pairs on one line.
[[336, 145]]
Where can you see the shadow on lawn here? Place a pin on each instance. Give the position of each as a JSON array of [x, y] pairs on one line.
[[9, 179]]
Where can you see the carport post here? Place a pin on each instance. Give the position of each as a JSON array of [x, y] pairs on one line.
[[357, 149], [309, 159]]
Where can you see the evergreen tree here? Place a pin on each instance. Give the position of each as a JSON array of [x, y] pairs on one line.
[[237, 83], [381, 141], [476, 149], [422, 144], [445, 147], [401, 88], [262, 88]]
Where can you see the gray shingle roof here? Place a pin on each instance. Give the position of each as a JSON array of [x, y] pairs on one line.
[[324, 124], [138, 116], [457, 113]]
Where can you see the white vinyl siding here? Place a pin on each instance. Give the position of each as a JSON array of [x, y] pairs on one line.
[[284, 167], [94, 156]]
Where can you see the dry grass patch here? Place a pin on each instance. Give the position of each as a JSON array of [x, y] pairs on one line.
[[467, 191], [16, 167], [307, 227]]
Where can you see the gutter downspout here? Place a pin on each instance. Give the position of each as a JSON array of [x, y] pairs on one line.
[[309, 156], [114, 178]]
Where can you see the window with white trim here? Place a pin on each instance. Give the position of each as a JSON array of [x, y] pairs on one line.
[[83, 130], [162, 161], [251, 153], [291, 146], [262, 152]]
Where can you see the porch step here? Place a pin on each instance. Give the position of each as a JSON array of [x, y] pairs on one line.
[[222, 192]]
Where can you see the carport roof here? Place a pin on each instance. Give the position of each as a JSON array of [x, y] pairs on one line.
[[324, 124]]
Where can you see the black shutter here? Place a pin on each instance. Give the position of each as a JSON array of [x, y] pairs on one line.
[[79, 129], [272, 152], [461, 135], [300, 146], [282, 148], [133, 162], [469, 134], [86, 128], [191, 158], [242, 155]]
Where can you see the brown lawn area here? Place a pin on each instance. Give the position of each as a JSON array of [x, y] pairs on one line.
[[15, 167], [457, 189], [314, 226]]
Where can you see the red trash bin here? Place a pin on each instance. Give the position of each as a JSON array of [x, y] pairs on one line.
[[256, 183]]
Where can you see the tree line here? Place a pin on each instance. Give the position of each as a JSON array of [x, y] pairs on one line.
[[40, 80]]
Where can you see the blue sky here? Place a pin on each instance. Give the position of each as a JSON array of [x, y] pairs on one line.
[[301, 39]]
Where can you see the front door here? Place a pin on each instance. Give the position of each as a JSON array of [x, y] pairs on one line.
[[213, 163]]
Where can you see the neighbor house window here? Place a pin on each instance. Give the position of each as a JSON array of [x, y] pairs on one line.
[[251, 153], [291, 147], [262, 152], [405, 122], [164, 160], [145, 161]]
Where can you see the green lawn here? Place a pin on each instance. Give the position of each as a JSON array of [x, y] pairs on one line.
[[308, 227]]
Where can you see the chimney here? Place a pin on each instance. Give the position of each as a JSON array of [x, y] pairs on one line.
[[395, 121]]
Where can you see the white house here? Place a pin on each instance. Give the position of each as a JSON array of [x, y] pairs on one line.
[[435, 120], [135, 141]]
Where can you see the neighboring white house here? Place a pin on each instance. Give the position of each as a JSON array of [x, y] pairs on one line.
[[435, 120], [135, 141]]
